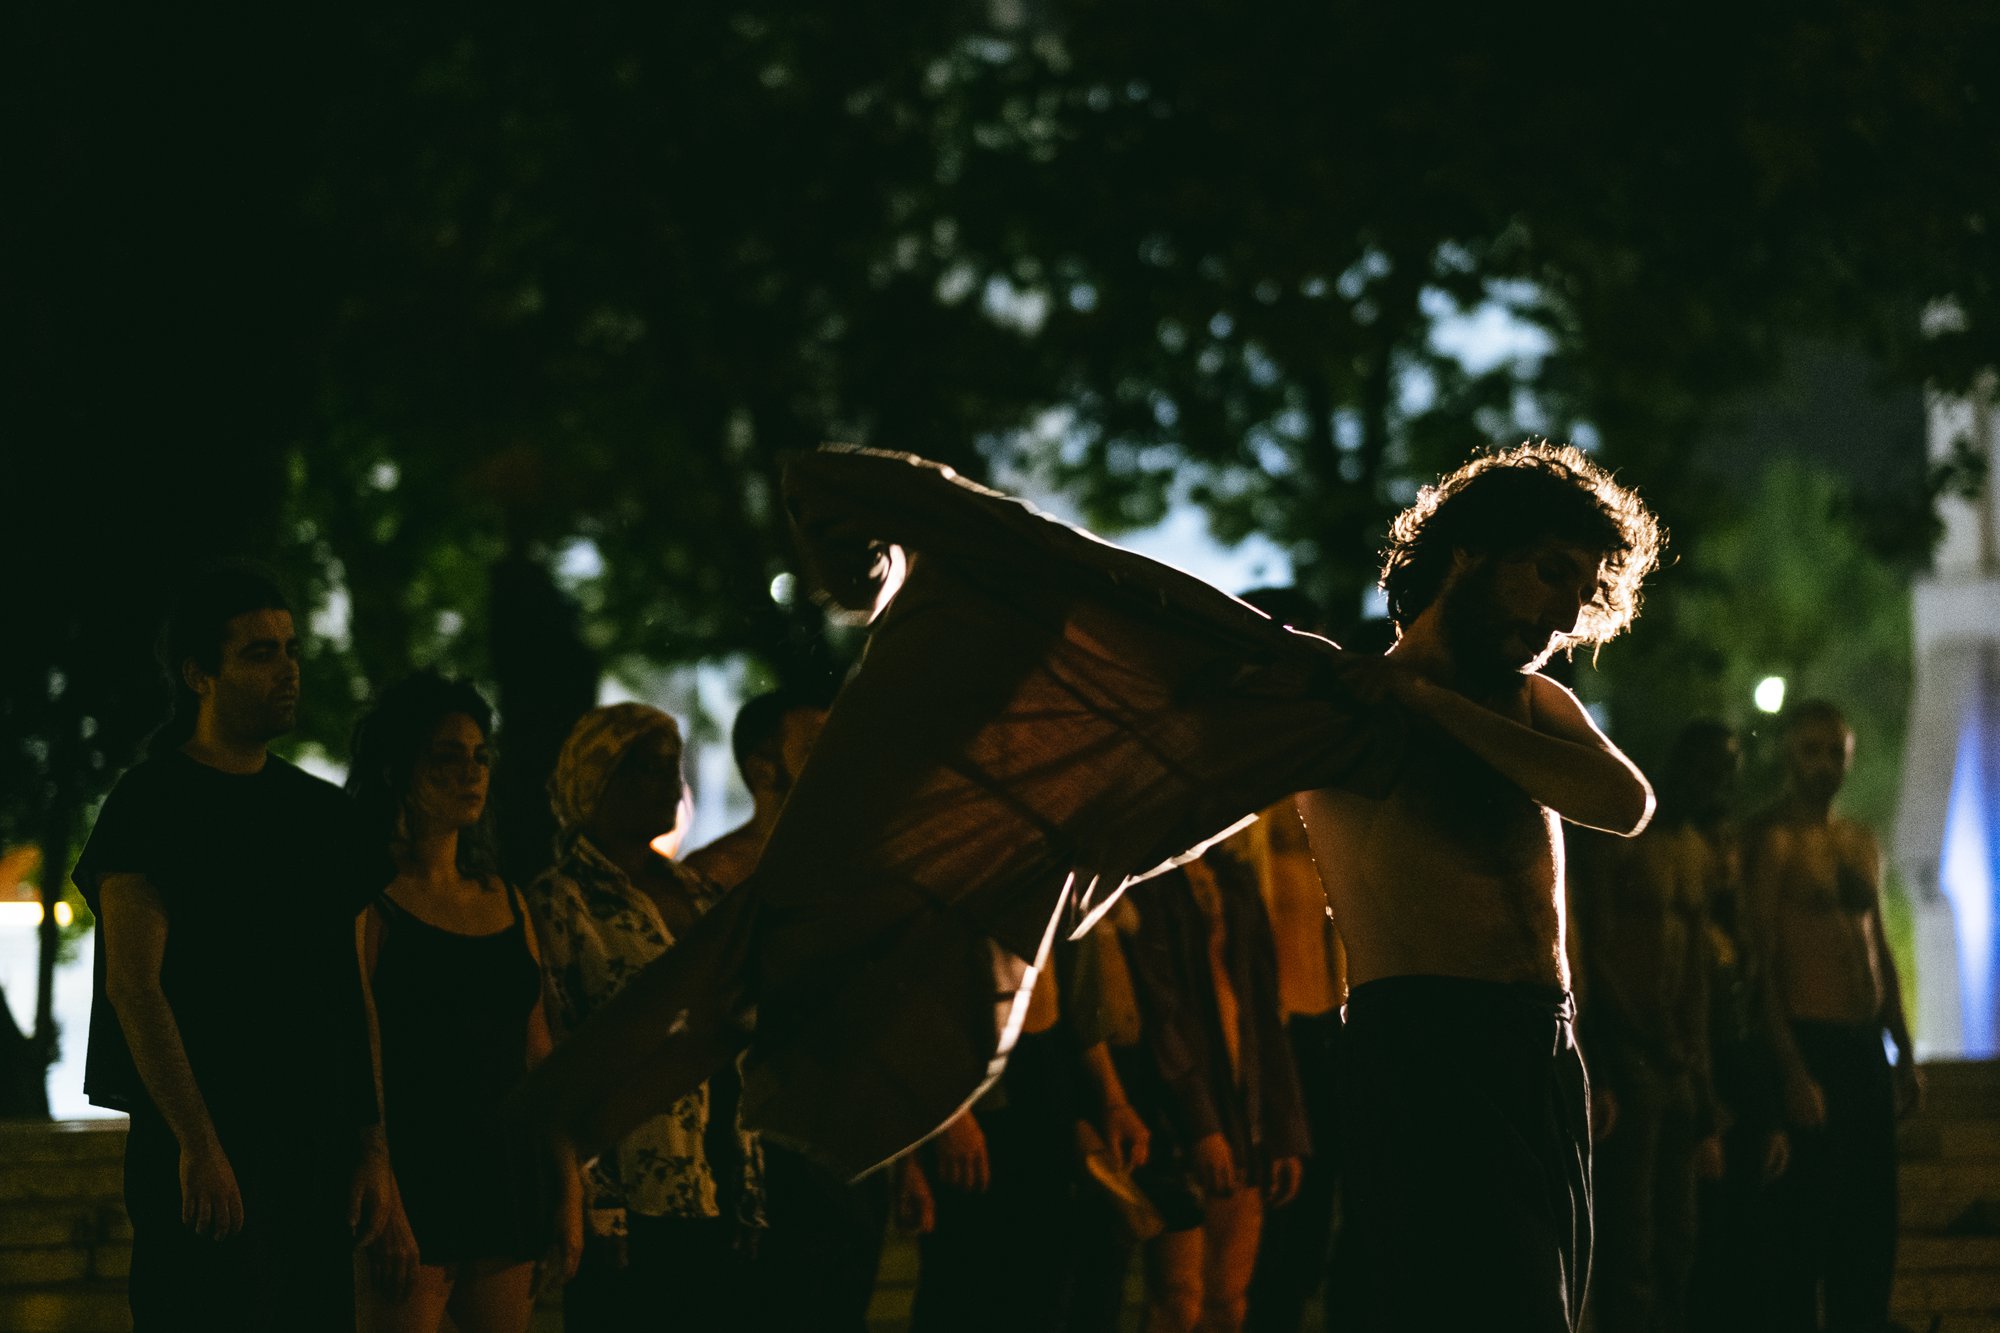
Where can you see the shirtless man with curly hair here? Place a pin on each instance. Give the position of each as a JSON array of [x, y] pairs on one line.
[[1467, 1198]]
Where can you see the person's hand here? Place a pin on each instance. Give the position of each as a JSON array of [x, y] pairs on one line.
[[1805, 1104], [1777, 1155], [1909, 1087], [961, 1156], [371, 1194], [1708, 1160], [1603, 1114], [392, 1254], [916, 1208], [1376, 680], [210, 1201], [1215, 1166], [1125, 1133], [1283, 1185]]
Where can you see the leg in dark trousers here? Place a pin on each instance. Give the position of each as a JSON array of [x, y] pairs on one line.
[[1732, 1264], [1004, 1260], [1838, 1210], [1297, 1239], [291, 1267], [816, 1265], [680, 1273], [1466, 1191]]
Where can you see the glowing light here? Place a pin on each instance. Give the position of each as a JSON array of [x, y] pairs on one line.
[[1769, 696], [28, 915], [783, 588]]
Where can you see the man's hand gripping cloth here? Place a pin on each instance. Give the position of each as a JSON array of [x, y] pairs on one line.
[[1040, 719]]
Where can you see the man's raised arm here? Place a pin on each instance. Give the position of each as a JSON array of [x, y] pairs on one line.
[[1563, 761]]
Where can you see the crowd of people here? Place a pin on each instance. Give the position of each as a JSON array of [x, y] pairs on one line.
[[314, 1003]]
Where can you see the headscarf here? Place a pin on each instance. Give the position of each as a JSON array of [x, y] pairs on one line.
[[591, 754]]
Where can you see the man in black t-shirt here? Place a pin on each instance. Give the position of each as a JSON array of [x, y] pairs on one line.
[[228, 1016]]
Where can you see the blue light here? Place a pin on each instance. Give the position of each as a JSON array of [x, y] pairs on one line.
[[1969, 869]]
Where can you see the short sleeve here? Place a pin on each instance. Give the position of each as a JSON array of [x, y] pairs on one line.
[[127, 838]]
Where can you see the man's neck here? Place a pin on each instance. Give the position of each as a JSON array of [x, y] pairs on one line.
[[1424, 649], [229, 754], [1805, 809]]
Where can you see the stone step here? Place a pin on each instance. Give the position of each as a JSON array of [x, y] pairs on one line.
[[43, 1265], [62, 1141], [1946, 1321], [1925, 1137], [42, 1181], [1925, 1253], [63, 1222], [90, 1307], [1958, 1291], [1973, 1178], [1946, 1211]]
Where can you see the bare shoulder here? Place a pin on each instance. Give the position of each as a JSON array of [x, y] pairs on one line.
[[728, 860]]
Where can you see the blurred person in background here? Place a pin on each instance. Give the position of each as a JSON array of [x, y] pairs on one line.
[[1220, 1093], [1732, 1249], [1816, 881], [657, 1241], [817, 1258], [1641, 927]]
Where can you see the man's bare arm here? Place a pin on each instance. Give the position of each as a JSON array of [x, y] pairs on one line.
[[1563, 761], [135, 942], [1893, 1017]]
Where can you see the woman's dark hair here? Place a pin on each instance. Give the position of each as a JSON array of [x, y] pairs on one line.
[[1506, 501], [196, 624], [387, 744]]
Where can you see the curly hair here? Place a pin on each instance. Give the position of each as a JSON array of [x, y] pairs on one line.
[[1507, 500]]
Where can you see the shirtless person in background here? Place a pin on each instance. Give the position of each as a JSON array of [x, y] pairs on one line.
[[1467, 1176], [1815, 884]]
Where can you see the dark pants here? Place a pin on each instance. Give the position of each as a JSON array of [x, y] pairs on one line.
[[1005, 1259], [291, 1267], [1836, 1205], [1466, 1181], [1644, 1211], [681, 1273], [1732, 1265], [816, 1265], [1292, 1254]]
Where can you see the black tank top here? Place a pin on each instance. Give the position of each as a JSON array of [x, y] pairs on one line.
[[453, 1013]]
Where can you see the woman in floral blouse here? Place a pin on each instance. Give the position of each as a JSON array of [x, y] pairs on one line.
[[657, 1241]]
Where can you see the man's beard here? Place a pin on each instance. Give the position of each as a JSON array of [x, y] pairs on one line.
[[1476, 635]]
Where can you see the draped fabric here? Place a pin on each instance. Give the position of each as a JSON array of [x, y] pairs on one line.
[[1040, 719]]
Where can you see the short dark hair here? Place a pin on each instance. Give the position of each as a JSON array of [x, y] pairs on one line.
[[759, 728], [197, 622], [383, 753], [1503, 501], [1808, 711]]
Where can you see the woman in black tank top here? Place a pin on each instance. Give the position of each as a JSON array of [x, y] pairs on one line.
[[454, 983]]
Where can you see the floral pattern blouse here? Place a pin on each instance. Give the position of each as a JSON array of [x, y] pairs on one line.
[[597, 933]]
